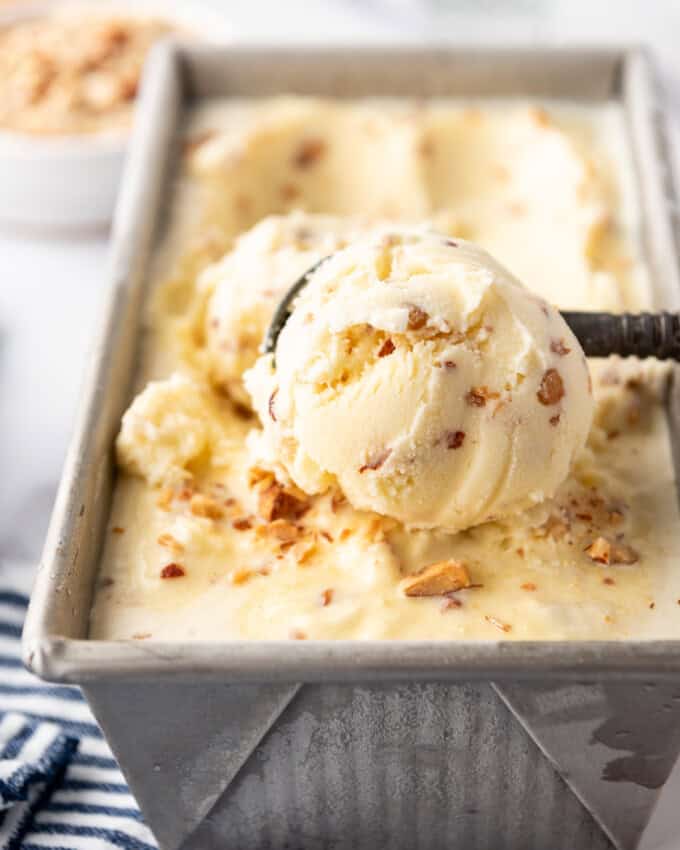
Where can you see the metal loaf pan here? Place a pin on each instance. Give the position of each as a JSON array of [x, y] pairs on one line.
[[387, 743]]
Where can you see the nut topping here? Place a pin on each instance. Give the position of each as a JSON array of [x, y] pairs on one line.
[[557, 346], [204, 506], [454, 439], [309, 153], [173, 571], [478, 396], [417, 318], [499, 624], [376, 460], [242, 524], [602, 551], [551, 389], [276, 502], [170, 542], [437, 579], [386, 348]]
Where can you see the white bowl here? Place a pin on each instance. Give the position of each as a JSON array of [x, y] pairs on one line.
[[70, 182]]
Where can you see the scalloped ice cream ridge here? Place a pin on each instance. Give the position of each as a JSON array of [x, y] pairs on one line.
[[214, 533]]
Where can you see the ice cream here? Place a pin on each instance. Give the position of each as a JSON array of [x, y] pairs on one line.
[[245, 286], [420, 377], [203, 541]]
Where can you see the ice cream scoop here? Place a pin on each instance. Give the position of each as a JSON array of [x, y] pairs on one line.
[[420, 377]]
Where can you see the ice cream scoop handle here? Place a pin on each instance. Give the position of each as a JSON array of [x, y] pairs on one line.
[[628, 335]]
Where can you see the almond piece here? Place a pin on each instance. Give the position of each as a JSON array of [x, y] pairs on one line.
[[275, 502], [376, 461], [499, 624], [257, 476], [436, 579], [600, 551], [172, 571], [282, 530], [309, 152], [386, 348], [551, 389], [170, 542], [205, 506], [417, 318], [454, 439], [240, 576], [478, 396], [557, 346]]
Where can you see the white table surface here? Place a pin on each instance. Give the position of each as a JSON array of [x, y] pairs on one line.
[[51, 289]]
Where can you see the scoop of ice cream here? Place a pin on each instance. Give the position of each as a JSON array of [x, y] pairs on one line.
[[425, 381], [247, 284], [166, 429]]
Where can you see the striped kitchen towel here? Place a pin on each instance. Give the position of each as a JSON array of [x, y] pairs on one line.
[[60, 787]]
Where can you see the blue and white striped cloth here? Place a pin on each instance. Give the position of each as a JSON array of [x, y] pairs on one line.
[[60, 787]]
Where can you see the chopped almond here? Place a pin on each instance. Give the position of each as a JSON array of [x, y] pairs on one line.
[[437, 579], [386, 348], [600, 551], [170, 542], [240, 576], [499, 624], [557, 346], [309, 152], [551, 389], [454, 439], [478, 396], [282, 530], [417, 318], [172, 571], [326, 597], [257, 476], [205, 506], [276, 502], [376, 461], [242, 523], [303, 550]]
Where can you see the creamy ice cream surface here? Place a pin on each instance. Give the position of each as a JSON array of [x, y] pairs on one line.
[[417, 386], [422, 379]]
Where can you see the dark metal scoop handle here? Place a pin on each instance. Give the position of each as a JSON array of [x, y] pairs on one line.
[[628, 335], [601, 334]]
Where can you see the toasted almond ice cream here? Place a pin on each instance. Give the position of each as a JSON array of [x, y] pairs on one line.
[[424, 380], [208, 536]]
